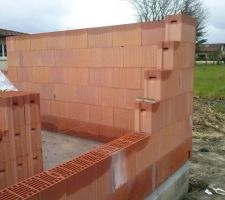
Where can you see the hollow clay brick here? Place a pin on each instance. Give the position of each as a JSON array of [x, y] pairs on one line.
[[107, 57], [186, 80], [101, 77], [38, 42], [59, 108], [57, 191], [24, 74], [124, 118], [58, 75], [100, 37], [62, 92], [79, 111], [40, 74], [56, 40], [180, 28], [163, 168], [181, 154], [140, 56], [4, 146], [184, 55], [45, 90], [12, 74], [35, 139], [29, 58], [64, 57], [37, 161], [85, 188], [46, 58], [14, 59], [22, 167], [101, 115], [122, 78], [11, 43], [77, 76], [76, 39], [23, 43], [8, 173], [127, 35], [152, 32], [45, 107], [162, 85], [82, 58]]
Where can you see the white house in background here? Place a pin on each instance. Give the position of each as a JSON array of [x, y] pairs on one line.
[[3, 49]]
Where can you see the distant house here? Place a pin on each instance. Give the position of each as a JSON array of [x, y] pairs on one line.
[[3, 49], [211, 52]]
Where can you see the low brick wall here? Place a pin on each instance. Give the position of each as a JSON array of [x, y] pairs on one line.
[[20, 137]]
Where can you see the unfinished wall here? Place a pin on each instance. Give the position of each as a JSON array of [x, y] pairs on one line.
[[20, 137], [138, 77], [90, 78]]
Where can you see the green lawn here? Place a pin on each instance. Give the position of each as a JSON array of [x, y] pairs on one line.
[[210, 81]]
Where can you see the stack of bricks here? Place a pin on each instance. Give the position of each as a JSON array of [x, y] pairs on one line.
[[20, 136], [108, 83]]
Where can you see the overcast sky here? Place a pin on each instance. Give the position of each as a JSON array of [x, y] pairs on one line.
[[34, 16]]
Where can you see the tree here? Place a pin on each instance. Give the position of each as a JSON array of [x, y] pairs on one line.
[[155, 10]]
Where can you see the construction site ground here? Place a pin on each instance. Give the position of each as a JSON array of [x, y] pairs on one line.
[[59, 148], [208, 156]]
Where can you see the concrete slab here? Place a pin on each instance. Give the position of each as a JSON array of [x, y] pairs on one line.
[[59, 148], [174, 187]]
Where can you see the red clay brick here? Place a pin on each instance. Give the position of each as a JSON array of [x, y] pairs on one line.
[[65, 57], [152, 32], [82, 58], [101, 77], [14, 59], [107, 57], [11, 43], [76, 39], [59, 108], [58, 75], [78, 76], [100, 37], [79, 111], [12, 74], [56, 40], [40, 74], [124, 118], [180, 28], [38, 42], [140, 56], [122, 78], [24, 74], [127, 35], [45, 107], [46, 58], [101, 115], [163, 168], [23, 43]]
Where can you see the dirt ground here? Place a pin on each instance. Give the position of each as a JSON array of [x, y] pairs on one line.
[[208, 157]]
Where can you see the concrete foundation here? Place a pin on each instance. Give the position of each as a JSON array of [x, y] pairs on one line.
[[174, 187], [59, 148]]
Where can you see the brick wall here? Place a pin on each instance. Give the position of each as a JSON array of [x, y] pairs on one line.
[[93, 76], [104, 83]]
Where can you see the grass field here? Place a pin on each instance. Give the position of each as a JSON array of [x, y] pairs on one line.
[[210, 81]]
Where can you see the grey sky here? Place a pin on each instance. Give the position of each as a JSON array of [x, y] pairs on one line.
[[50, 15]]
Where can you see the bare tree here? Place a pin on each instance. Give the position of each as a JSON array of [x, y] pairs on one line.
[[155, 10]]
